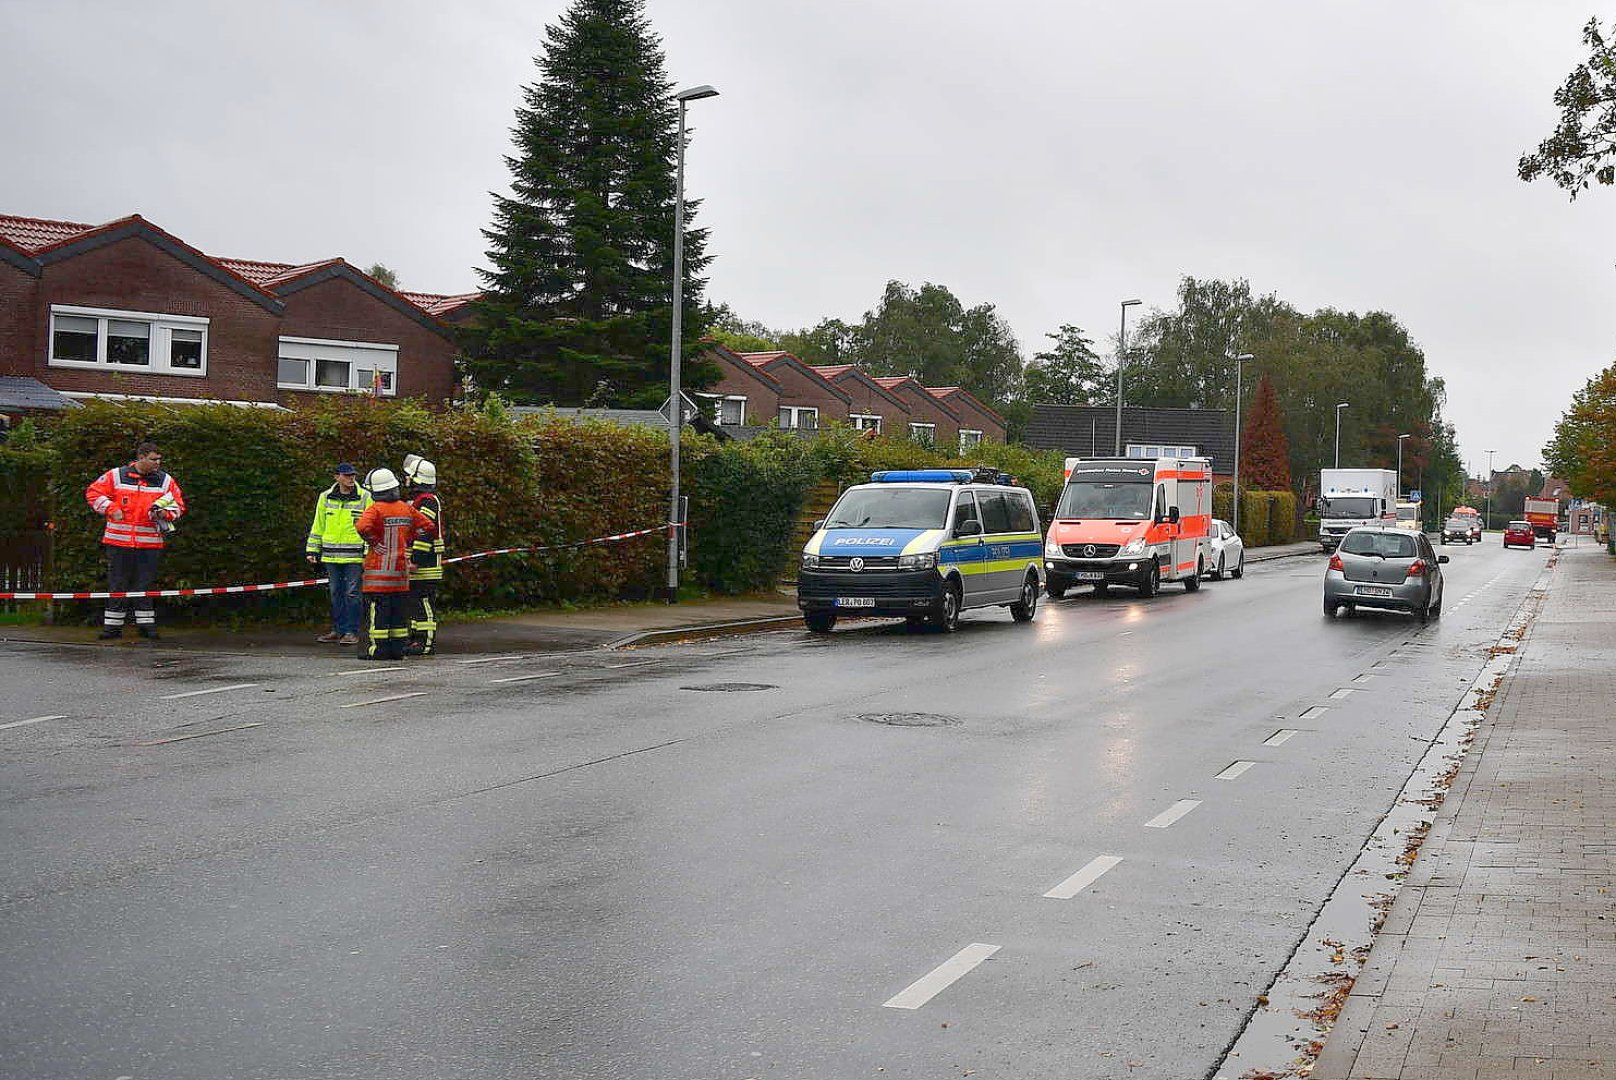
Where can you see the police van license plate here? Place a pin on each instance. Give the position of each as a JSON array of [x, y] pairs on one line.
[[1373, 590], [855, 601], [1089, 575]]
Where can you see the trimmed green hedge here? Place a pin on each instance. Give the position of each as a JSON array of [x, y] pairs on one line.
[[1266, 517]]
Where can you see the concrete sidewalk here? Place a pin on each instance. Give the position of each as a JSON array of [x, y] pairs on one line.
[[1498, 958]]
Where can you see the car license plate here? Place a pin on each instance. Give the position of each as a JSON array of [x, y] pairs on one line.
[[1374, 590], [1089, 575], [855, 601]]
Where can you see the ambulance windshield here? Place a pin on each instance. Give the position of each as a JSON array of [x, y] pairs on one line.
[[1092, 499], [885, 507]]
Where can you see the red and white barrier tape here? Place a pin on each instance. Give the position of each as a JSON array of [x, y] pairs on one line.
[[272, 586]]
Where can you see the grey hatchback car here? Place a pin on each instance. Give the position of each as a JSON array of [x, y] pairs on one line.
[[1383, 567]]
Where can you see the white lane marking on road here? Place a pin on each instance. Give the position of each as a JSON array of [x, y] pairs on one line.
[[1083, 878], [636, 663], [525, 678], [1345, 692], [1125, 633], [363, 671], [1172, 813], [378, 701], [495, 659], [35, 720], [1281, 736], [1367, 677], [210, 690], [1234, 770], [197, 735], [1315, 713], [940, 978]]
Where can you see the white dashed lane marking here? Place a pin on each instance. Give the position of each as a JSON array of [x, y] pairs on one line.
[[494, 659], [35, 720], [1345, 692], [1234, 770], [1083, 878], [1315, 713], [363, 671], [525, 678], [1172, 813], [1281, 736], [380, 700], [940, 978], [210, 690]]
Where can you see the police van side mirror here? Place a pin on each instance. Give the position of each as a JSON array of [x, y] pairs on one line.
[[820, 524], [968, 528]]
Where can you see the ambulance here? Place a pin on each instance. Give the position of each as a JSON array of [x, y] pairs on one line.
[[1130, 521]]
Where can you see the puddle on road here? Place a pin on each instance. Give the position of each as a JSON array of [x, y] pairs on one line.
[[910, 719]]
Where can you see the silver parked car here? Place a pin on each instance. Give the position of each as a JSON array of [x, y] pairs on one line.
[[1225, 552], [1379, 566]]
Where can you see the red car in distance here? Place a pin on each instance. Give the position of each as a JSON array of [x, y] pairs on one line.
[[1520, 533]]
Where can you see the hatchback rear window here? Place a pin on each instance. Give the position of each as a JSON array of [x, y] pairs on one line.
[[1520, 526], [1388, 545]]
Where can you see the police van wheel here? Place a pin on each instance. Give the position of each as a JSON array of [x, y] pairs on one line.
[[1055, 590], [1193, 582], [819, 622], [948, 620], [1150, 584], [1024, 609], [914, 622]]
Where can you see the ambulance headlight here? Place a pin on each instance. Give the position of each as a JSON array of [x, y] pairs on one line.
[[810, 562], [1136, 546], [1053, 550], [925, 560]]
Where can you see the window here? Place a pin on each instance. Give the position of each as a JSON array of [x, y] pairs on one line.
[[923, 433], [1151, 450], [799, 417], [160, 344], [995, 511], [865, 422], [728, 409], [337, 366], [969, 440], [965, 509], [1022, 518]]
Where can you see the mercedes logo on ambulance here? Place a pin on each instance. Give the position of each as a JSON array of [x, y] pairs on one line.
[[1088, 551]]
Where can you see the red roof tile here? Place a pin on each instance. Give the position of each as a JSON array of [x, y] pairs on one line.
[[830, 371], [33, 234], [258, 273]]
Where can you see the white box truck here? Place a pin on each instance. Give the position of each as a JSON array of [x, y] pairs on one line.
[[1352, 497]]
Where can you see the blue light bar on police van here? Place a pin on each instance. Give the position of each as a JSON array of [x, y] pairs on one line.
[[921, 476]]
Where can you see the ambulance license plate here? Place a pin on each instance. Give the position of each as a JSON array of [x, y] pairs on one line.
[[855, 601], [1089, 575], [1373, 590]]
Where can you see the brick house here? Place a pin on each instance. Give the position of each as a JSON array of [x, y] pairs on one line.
[[127, 310], [746, 396], [930, 418], [977, 422], [873, 407]]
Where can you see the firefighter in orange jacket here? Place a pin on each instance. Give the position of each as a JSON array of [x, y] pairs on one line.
[[390, 527], [141, 503]]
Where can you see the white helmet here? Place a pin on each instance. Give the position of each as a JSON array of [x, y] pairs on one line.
[[381, 480], [420, 471]]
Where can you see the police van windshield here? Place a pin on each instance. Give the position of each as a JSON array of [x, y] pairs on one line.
[[1348, 507], [890, 508], [1092, 499]]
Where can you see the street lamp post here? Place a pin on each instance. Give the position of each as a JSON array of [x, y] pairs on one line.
[[1487, 521], [676, 412], [1122, 352], [1339, 406], [1400, 439], [1239, 365]]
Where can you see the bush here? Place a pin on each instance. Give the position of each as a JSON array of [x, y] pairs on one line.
[[1282, 517]]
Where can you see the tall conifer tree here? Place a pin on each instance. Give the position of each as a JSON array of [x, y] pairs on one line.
[[1265, 457], [577, 305]]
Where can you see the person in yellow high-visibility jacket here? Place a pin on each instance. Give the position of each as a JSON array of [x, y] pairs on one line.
[[335, 543]]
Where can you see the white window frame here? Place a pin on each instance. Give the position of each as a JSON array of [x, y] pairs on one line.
[[795, 414], [1152, 450], [358, 355], [865, 422], [161, 336], [719, 400], [974, 443], [923, 431]]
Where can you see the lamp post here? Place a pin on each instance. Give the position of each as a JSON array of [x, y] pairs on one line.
[[676, 412], [1400, 439], [1122, 352], [1239, 366], [1486, 522], [1339, 406]]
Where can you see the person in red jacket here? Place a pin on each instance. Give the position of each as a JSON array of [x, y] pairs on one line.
[[141, 503], [389, 526]]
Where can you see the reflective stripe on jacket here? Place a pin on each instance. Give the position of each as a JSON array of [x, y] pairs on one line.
[[426, 554], [125, 490], [390, 528], [333, 535]]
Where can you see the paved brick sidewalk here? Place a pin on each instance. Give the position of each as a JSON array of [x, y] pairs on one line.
[[1498, 958]]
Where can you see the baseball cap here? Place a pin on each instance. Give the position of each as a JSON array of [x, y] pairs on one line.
[[346, 469]]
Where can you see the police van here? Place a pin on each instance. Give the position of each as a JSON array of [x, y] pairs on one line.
[[925, 545]]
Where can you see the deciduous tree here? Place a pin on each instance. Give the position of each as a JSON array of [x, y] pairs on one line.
[[1069, 372], [1583, 146], [1583, 449]]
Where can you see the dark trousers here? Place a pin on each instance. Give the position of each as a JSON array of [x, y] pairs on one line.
[[130, 570], [424, 615], [387, 621]]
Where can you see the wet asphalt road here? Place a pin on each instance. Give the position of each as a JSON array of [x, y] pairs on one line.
[[608, 871]]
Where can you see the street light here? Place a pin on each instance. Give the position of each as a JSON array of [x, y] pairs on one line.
[[1338, 408], [1239, 366], [1400, 439], [1488, 520], [676, 411], [1122, 352]]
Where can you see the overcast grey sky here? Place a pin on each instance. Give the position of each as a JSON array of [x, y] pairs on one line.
[[1052, 157]]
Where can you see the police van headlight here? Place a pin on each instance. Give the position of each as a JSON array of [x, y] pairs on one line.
[[925, 560], [1136, 546], [810, 562], [1053, 549]]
